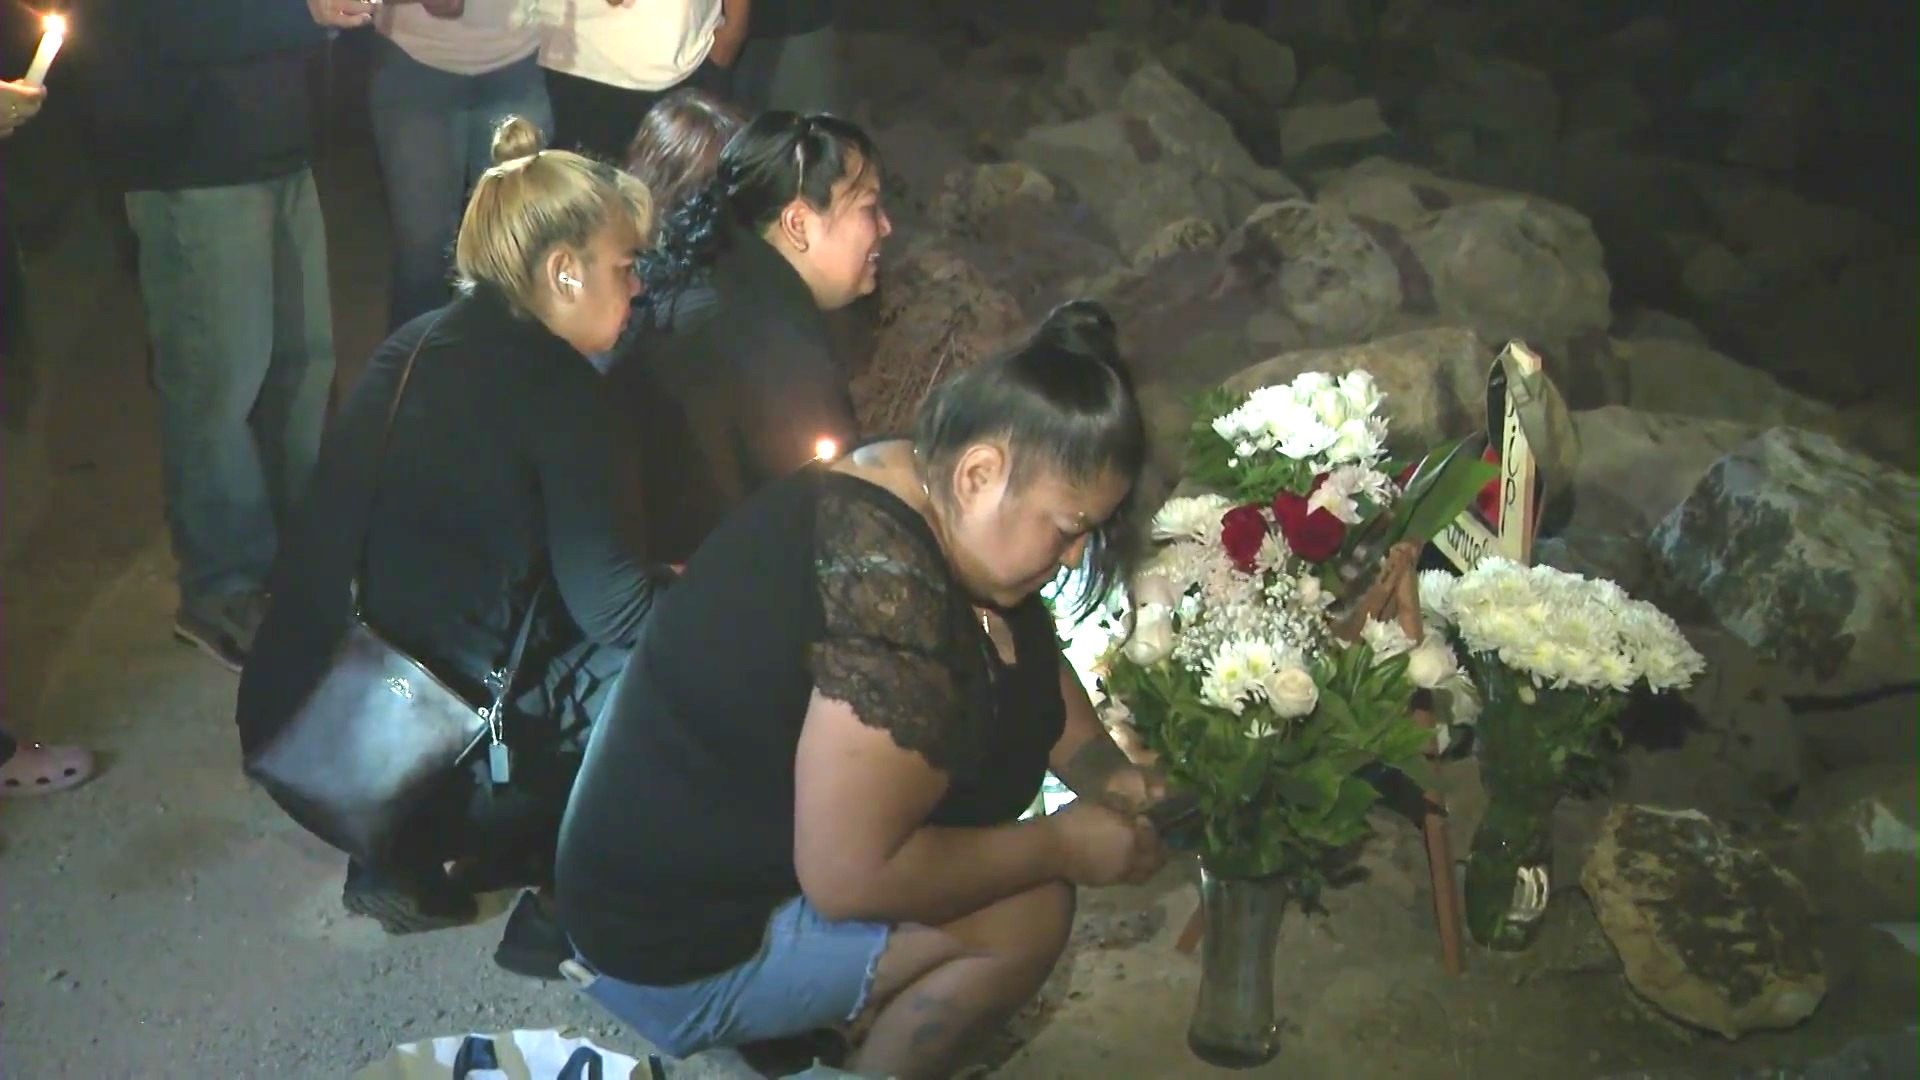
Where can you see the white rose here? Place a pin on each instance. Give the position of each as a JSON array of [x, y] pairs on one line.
[[1291, 692], [1308, 383], [1332, 407], [1362, 393], [1152, 637], [1432, 663]]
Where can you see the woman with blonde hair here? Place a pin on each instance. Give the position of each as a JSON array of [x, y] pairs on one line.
[[474, 475]]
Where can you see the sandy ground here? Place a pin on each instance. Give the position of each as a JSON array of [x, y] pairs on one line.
[[167, 921]]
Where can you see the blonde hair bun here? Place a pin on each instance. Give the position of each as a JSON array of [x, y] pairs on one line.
[[517, 137]]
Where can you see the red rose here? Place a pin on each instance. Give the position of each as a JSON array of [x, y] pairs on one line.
[[1314, 536], [1242, 529], [1488, 501]]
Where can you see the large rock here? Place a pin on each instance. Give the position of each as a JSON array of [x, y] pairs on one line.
[[1490, 119], [1325, 271], [1244, 74], [1435, 380], [1404, 196], [1713, 934], [1861, 844], [975, 193], [1162, 156], [1513, 268], [1310, 132], [1634, 468], [939, 314], [1666, 375], [1187, 128], [1804, 550]]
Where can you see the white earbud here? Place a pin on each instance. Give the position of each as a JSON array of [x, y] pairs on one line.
[[568, 281]]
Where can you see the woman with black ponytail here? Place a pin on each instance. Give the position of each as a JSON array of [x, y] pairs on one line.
[[728, 368], [802, 807]]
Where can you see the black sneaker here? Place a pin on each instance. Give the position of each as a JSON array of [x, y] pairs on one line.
[[533, 943], [222, 627], [407, 903]]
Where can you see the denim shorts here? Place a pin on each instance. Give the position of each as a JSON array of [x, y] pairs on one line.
[[810, 973]]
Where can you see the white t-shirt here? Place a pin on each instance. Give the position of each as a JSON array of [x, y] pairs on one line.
[[488, 35], [633, 44]]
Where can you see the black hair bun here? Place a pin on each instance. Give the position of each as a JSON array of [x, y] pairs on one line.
[[1082, 328]]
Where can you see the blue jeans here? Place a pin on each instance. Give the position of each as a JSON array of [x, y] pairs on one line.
[[810, 973], [434, 132], [234, 280]]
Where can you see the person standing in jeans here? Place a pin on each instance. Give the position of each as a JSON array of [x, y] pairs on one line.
[[203, 107], [608, 61], [445, 74]]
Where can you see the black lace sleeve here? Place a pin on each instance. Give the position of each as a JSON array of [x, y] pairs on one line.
[[889, 640]]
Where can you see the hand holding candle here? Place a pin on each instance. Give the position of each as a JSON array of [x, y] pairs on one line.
[[53, 34]]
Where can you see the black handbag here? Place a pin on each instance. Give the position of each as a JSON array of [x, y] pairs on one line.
[[380, 735]]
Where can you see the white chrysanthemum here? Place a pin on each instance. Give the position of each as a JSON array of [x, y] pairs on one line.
[[1196, 518], [1386, 639], [1234, 674], [1564, 630], [1436, 596]]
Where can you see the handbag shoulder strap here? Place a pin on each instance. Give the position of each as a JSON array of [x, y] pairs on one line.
[[509, 676], [379, 455]]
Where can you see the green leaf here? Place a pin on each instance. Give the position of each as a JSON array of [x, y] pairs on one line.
[[1445, 485]]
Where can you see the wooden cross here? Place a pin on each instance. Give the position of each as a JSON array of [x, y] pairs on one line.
[[1470, 538]]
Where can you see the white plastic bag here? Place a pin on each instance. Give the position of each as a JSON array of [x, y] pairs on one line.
[[514, 1055]]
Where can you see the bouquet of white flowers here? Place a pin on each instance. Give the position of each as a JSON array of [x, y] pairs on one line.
[[1554, 655], [1226, 663]]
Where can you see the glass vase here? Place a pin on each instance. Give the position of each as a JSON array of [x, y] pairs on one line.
[[1233, 1022], [1509, 873], [1509, 870]]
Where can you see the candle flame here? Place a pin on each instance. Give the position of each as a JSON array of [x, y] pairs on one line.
[[825, 450], [54, 24]]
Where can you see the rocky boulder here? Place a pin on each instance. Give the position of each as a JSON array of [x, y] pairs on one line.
[[1513, 268], [1244, 74], [1317, 133], [1328, 273], [1634, 468], [938, 314], [1161, 156], [1672, 376], [1713, 934], [973, 194], [1490, 119], [1804, 550], [1861, 842]]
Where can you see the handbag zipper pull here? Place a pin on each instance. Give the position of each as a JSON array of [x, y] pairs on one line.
[[499, 762]]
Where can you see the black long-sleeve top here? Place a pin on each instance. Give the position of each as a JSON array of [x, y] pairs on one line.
[[506, 468], [731, 384]]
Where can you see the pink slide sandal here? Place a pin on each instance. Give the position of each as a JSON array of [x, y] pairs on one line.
[[36, 769]]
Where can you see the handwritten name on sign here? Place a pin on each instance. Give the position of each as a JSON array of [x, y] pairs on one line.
[[1469, 539]]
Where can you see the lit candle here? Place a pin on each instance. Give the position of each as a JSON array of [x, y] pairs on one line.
[[53, 33], [825, 449]]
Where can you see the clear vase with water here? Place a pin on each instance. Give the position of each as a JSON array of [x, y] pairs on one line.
[[1233, 1021]]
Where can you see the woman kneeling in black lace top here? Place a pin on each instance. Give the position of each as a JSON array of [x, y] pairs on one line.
[[801, 809]]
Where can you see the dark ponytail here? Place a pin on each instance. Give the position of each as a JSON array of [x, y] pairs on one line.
[[778, 157], [1062, 401]]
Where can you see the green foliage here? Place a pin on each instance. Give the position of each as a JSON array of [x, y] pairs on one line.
[[1294, 803], [1444, 485], [1560, 738]]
